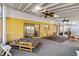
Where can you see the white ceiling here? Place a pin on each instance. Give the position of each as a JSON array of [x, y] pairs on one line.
[[61, 9]]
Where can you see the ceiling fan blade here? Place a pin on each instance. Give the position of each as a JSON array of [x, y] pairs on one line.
[[45, 16], [43, 12], [51, 15], [50, 12], [65, 20]]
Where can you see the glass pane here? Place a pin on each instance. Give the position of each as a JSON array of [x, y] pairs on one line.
[[75, 30]]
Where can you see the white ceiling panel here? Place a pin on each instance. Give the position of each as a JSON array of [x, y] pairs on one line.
[[61, 9]]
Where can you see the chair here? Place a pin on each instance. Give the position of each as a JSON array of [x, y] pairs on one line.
[[77, 52], [6, 47], [1, 51], [4, 50]]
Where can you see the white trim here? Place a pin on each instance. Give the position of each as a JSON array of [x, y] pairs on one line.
[[27, 7], [20, 6], [4, 26]]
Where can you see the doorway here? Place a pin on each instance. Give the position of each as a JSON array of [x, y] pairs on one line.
[[31, 30]]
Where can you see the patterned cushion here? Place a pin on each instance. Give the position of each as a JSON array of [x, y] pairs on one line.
[[25, 40], [34, 42]]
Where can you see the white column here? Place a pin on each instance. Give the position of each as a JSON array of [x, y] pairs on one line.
[[4, 25]]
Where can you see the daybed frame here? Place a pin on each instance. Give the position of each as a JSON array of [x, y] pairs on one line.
[[28, 46]]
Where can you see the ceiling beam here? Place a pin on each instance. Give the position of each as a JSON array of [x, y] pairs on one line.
[[41, 4], [69, 8], [67, 11], [19, 6], [51, 5], [68, 14], [61, 6], [27, 7], [35, 6], [72, 12]]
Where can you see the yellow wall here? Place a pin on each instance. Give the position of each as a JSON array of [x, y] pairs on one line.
[[15, 28]]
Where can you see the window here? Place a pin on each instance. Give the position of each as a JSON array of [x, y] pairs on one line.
[[46, 27], [75, 29]]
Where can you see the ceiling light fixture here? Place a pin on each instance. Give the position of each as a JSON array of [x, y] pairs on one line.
[[37, 8], [55, 15]]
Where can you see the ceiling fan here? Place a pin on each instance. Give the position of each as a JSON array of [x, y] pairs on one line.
[[47, 13], [65, 20]]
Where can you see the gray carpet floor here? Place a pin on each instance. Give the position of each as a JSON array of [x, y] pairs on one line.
[[50, 48], [59, 39]]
